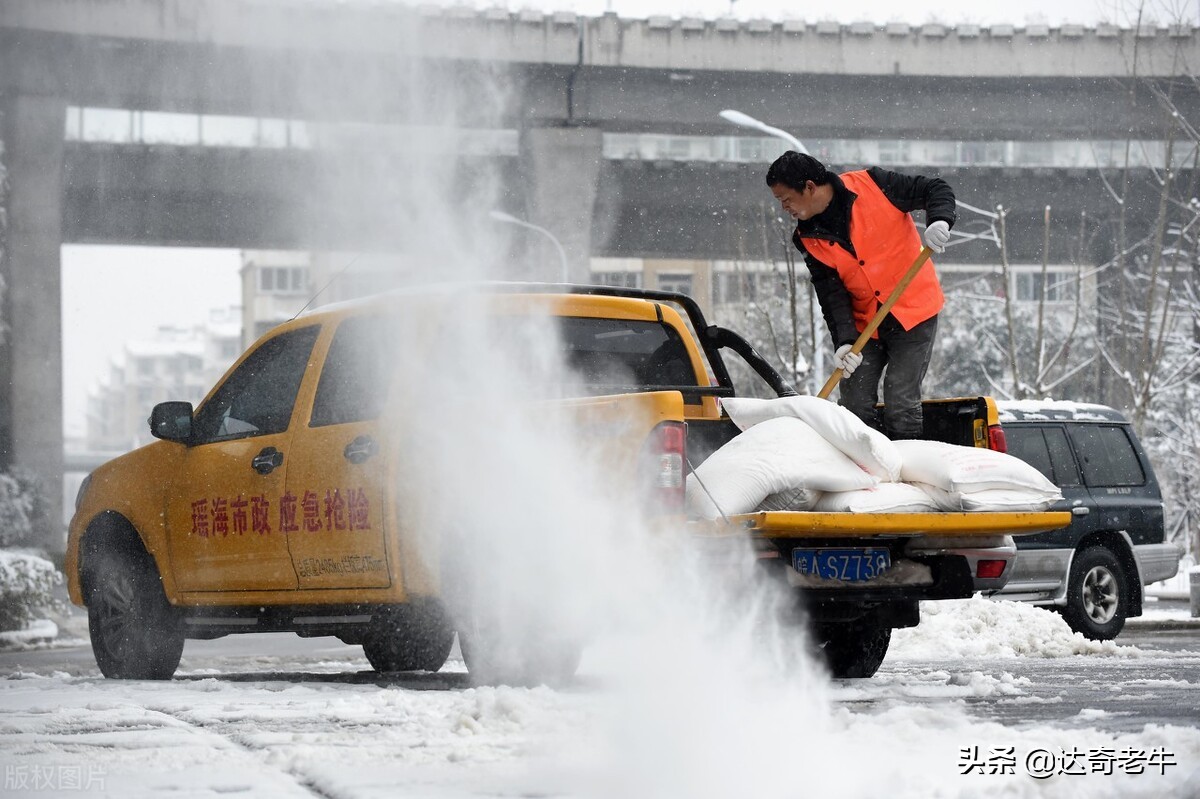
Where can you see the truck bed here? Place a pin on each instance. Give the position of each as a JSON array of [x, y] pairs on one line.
[[806, 524]]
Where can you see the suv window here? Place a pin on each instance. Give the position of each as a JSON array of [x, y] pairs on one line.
[[1046, 449], [354, 380], [1028, 444], [1066, 470], [619, 352], [1107, 456], [257, 398]]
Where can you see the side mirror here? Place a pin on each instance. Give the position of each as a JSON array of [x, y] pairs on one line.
[[172, 421]]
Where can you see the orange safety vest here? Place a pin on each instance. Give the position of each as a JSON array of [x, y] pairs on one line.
[[886, 242]]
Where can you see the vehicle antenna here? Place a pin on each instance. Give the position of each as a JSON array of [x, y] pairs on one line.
[[328, 283]]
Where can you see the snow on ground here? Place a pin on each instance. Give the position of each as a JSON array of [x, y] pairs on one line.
[[979, 627], [679, 718]]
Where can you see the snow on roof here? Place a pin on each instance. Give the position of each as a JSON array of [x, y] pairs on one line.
[[1064, 410]]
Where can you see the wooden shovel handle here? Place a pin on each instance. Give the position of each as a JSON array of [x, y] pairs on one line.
[[865, 336]]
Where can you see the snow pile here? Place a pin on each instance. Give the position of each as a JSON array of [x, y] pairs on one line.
[[26, 582], [978, 627], [35, 633]]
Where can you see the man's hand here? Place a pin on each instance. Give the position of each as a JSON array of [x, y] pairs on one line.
[[846, 360], [937, 235]]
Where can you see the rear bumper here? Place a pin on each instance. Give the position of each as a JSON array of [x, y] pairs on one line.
[[1039, 575], [1001, 548], [1157, 561]]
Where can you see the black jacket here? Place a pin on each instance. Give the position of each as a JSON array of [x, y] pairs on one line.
[[907, 192]]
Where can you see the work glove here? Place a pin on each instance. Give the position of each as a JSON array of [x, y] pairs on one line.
[[846, 360], [937, 235]]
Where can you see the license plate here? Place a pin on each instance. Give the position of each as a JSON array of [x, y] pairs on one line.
[[849, 565]]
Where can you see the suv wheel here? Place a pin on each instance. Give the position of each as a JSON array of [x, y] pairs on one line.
[[409, 640], [853, 649], [136, 634], [1097, 594]]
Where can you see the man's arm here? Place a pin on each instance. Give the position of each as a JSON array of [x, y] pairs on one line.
[[917, 193]]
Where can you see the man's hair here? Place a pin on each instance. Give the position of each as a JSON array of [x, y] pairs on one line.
[[795, 169]]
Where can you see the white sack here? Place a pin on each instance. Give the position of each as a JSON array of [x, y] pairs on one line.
[[792, 499], [774, 456], [864, 445], [991, 499], [883, 498], [955, 468]]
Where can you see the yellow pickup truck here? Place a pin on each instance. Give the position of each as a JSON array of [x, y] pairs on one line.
[[279, 503]]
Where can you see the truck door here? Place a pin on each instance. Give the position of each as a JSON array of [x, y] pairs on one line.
[[1045, 447], [339, 481], [222, 508]]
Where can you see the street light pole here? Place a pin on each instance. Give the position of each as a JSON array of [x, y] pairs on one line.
[[747, 121], [500, 216]]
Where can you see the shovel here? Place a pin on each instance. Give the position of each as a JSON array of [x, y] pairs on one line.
[[865, 336]]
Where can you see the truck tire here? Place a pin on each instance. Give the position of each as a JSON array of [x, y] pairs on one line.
[[525, 657], [1097, 594], [136, 634], [409, 640], [853, 649]]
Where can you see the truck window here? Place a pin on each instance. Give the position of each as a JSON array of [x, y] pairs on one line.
[[1107, 456], [257, 398], [354, 379], [622, 353]]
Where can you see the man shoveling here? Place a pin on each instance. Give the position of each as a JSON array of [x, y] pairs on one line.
[[861, 245]]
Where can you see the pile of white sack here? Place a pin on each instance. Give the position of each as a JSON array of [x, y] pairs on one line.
[[807, 453]]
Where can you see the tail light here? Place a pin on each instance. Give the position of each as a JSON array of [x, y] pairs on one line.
[[990, 569], [996, 439], [662, 468]]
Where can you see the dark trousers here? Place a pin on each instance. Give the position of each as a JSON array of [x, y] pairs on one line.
[[900, 357]]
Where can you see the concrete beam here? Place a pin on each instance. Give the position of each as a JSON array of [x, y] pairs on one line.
[[785, 46], [561, 169], [31, 414], [226, 197]]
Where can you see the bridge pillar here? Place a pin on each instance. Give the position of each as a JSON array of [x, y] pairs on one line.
[[31, 366], [561, 171]]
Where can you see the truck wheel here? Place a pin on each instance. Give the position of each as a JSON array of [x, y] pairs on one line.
[[530, 655], [853, 649], [409, 641], [1097, 594], [136, 634]]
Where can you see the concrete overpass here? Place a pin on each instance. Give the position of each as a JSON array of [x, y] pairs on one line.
[[560, 80]]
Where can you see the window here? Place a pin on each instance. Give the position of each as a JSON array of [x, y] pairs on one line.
[[282, 279], [1028, 444], [628, 280], [680, 282], [1059, 285], [257, 398], [613, 354], [354, 380], [1107, 456], [1046, 449], [1066, 470]]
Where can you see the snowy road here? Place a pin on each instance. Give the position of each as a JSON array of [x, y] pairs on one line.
[[963, 693]]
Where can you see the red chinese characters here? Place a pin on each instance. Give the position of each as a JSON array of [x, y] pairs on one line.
[[339, 509]]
